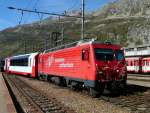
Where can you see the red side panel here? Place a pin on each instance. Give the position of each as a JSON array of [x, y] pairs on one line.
[[68, 63]]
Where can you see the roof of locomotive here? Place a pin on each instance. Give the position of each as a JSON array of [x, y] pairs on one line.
[[105, 44]]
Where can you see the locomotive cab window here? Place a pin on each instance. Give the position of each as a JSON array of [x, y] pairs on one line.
[[119, 55], [104, 54]]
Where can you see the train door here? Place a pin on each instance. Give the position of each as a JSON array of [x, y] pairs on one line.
[[86, 62], [147, 66], [36, 65]]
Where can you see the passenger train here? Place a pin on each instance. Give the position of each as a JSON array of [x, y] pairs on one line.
[[87, 64], [138, 64]]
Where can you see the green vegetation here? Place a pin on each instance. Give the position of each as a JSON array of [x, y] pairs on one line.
[[111, 23]]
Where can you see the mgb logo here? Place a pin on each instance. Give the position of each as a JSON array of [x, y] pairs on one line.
[[50, 60]]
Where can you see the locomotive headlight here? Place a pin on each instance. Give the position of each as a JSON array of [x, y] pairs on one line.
[[100, 72], [117, 70]]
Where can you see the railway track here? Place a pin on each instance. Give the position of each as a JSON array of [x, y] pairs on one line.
[[135, 99], [38, 102]]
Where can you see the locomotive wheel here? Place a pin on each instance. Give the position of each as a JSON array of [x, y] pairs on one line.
[[97, 92], [57, 81], [94, 93]]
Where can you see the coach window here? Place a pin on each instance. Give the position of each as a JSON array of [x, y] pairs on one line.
[[147, 63], [144, 63], [134, 63], [131, 63]]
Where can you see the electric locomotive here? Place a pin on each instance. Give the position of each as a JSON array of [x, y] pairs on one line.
[[89, 64]]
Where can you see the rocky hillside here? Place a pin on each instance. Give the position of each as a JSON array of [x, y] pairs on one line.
[[126, 18], [125, 22]]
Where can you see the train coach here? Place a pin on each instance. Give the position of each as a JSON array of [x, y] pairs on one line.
[[138, 64], [89, 64], [134, 64], [22, 65], [146, 65]]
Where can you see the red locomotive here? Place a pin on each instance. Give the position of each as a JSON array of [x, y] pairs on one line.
[[86, 64]]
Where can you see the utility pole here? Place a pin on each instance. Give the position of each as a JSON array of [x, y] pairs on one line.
[[62, 33], [25, 47], [61, 27], [60, 15], [46, 42], [82, 29]]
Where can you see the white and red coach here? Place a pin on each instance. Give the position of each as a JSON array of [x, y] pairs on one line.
[[22, 64]]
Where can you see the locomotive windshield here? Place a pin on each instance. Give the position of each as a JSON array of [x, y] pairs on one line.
[[119, 55], [104, 54], [108, 54]]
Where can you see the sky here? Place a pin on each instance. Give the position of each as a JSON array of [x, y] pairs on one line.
[[11, 18]]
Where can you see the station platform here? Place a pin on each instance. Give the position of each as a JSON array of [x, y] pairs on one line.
[[6, 103]]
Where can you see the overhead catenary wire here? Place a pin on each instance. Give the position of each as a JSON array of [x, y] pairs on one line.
[[54, 14], [42, 12], [34, 7]]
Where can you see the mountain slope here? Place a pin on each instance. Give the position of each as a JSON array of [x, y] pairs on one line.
[[125, 22]]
